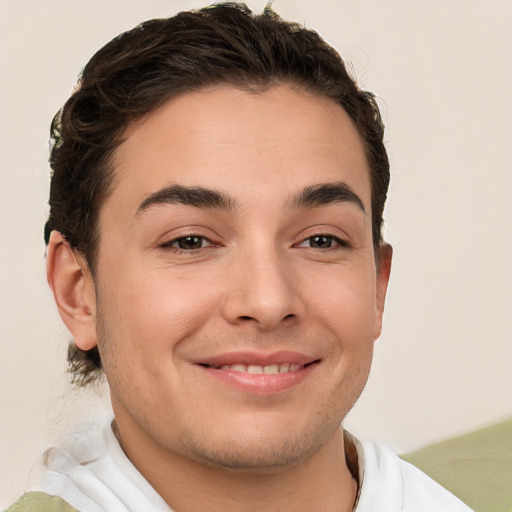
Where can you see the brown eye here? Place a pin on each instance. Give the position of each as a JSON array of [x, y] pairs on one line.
[[190, 242], [321, 242], [187, 243]]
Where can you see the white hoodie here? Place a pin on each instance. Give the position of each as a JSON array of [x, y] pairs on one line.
[[90, 471]]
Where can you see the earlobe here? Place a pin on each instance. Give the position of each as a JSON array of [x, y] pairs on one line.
[[73, 289], [383, 272]]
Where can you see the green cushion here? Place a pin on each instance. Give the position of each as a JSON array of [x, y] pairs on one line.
[[476, 467], [40, 502]]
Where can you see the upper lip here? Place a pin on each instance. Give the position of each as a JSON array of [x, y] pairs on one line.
[[257, 358]]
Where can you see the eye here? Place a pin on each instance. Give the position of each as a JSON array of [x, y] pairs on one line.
[[323, 242], [188, 243]]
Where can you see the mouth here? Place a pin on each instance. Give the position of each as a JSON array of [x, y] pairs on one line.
[[260, 374], [254, 369]]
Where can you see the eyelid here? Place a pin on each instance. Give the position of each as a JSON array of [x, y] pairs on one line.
[[341, 239], [171, 241], [341, 242], [178, 232]]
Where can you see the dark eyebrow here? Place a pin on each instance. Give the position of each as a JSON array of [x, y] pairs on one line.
[[326, 193], [199, 197]]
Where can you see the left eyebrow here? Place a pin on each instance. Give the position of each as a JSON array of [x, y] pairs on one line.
[[326, 193]]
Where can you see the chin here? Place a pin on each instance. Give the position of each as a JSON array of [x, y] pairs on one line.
[[257, 451]]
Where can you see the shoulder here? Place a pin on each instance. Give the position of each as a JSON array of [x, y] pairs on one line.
[[404, 488], [40, 502]]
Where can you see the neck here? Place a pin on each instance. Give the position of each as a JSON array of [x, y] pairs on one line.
[[322, 482]]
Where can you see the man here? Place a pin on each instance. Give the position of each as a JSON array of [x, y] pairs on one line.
[[214, 246]]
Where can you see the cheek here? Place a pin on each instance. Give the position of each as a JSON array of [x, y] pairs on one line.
[[345, 303], [158, 307]]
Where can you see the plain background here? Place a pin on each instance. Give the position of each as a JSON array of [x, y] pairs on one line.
[[443, 72]]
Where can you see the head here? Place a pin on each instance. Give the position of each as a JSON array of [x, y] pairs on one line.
[[141, 69], [165, 86]]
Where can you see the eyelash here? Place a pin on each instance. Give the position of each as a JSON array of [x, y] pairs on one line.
[[335, 241], [179, 250]]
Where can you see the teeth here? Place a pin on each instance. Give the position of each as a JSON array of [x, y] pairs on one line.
[[284, 368], [272, 369]]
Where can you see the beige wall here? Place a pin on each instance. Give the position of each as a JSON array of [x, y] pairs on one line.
[[444, 73]]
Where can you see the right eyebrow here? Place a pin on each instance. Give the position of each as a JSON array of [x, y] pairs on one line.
[[199, 197]]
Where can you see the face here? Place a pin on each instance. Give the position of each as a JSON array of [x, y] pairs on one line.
[[237, 294]]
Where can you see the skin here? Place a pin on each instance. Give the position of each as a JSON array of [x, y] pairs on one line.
[[255, 280]]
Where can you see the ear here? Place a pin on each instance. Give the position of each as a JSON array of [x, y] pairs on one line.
[[383, 271], [73, 288]]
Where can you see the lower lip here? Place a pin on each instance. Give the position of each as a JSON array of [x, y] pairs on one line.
[[260, 384]]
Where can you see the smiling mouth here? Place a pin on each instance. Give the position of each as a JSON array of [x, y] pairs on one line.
[[271, 369], [260, 374]]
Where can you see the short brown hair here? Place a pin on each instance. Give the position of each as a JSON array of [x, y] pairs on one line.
[[142, 68]]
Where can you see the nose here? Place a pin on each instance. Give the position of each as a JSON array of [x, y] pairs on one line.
[[262, 291]]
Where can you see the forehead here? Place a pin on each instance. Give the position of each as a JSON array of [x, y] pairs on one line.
[[254, 145]]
